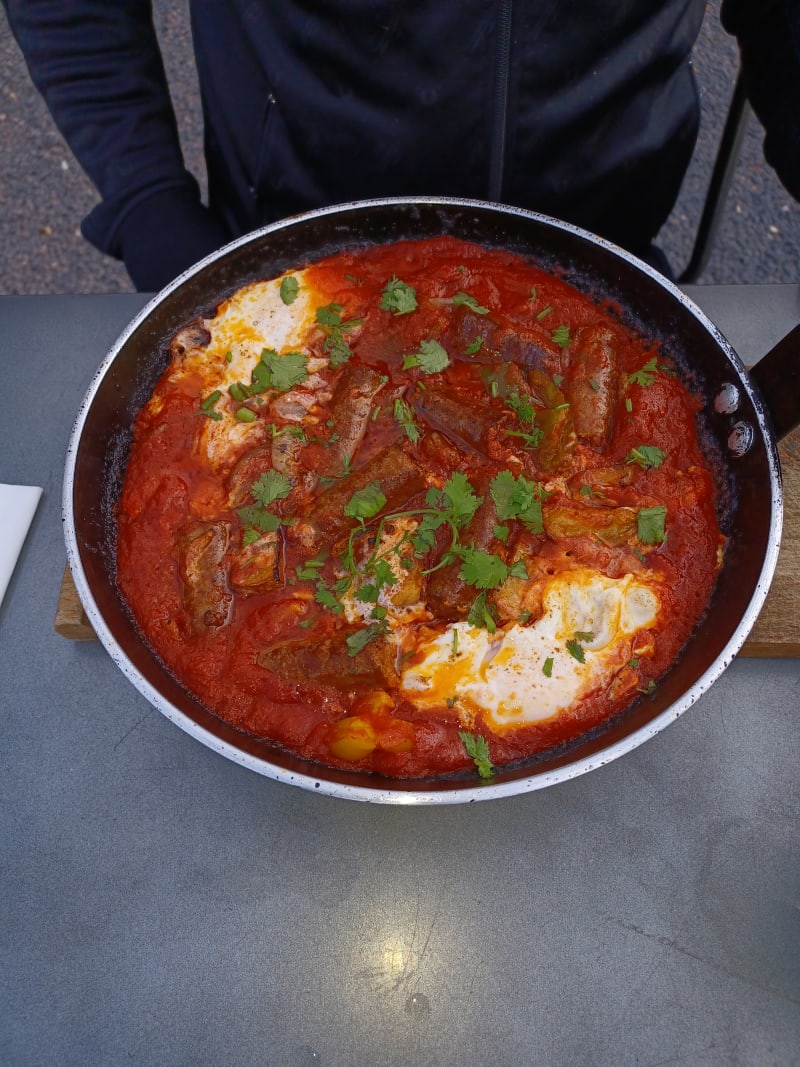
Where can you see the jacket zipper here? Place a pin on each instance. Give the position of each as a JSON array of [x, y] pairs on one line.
[[497, 142]]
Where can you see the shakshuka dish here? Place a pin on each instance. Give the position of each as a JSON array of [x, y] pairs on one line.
[[420, 509]]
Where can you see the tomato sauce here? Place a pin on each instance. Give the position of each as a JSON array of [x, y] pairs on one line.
[[278, 617]]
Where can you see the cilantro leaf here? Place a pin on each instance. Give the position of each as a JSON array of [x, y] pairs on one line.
[[461, 498], [480, 615], [281, 372], [398, 297], [330, 315], [482, 569], [289, 289], [477, 748], [651, 524], [357, 642], [271, 486], [255, 517], [365, 503], [465, 300], [575, 650], [646, 374], [431, 358], [561, 336], [517, 498], [474, 346], [646, 456], [405, 416], [336, 347], [326, 598]]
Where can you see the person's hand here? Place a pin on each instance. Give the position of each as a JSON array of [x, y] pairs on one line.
[[165, 234]]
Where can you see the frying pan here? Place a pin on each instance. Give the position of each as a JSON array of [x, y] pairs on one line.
[[744, 416]]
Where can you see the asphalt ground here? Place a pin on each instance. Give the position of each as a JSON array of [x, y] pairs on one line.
[[44, 194]]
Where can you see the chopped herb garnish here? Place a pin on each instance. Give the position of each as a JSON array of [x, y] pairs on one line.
[[256, 518], [474, 346], [326, 598], [547, 667], [398, 297], [356, 642], [245, 415], [405, 416], [273, 371], [561, 336], [431, 358], [365, 503], [271, 486], [465, 300], [544, 313], [518, 498], [336, 347], [485, 570], [289, 289], [576, 651], [646, 374], [207, 405], [646, 456], [461, 498], [651, 524], [480, 615], [477, 748]]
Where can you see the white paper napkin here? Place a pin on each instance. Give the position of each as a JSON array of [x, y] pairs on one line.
[[17, 507]]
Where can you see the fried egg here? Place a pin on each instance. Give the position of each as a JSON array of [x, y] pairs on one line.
[[254, 318], [530, 673]]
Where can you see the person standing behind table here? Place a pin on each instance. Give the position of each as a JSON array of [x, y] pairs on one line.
[[584, 111]]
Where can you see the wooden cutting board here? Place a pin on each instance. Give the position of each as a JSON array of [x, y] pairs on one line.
[[776, 632]]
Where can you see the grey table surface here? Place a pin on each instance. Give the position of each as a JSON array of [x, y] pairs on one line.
[[162, 905]]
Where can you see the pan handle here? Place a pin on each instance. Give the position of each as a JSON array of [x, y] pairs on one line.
[[777, 375]]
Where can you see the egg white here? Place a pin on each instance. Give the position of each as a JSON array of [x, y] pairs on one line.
[[253, 319], [502, 675]]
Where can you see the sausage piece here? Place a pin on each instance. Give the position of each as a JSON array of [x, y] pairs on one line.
[[447, 594], [350, 409], [592, 384], [329, 662], [458, 421], [257, 567], [398, 474], [201, 556]]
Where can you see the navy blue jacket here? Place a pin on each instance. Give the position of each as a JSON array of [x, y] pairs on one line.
[[587, 112]]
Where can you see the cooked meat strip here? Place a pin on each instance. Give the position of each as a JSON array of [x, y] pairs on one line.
[[201, 554], [520, 347], [350, 409], [258, 566], [448, 595], [592, 383], [398, 474], [457, 420], [329, 662], [248, 469]]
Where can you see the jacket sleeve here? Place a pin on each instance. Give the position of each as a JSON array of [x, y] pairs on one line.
[[768, 32], [99, 68]]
